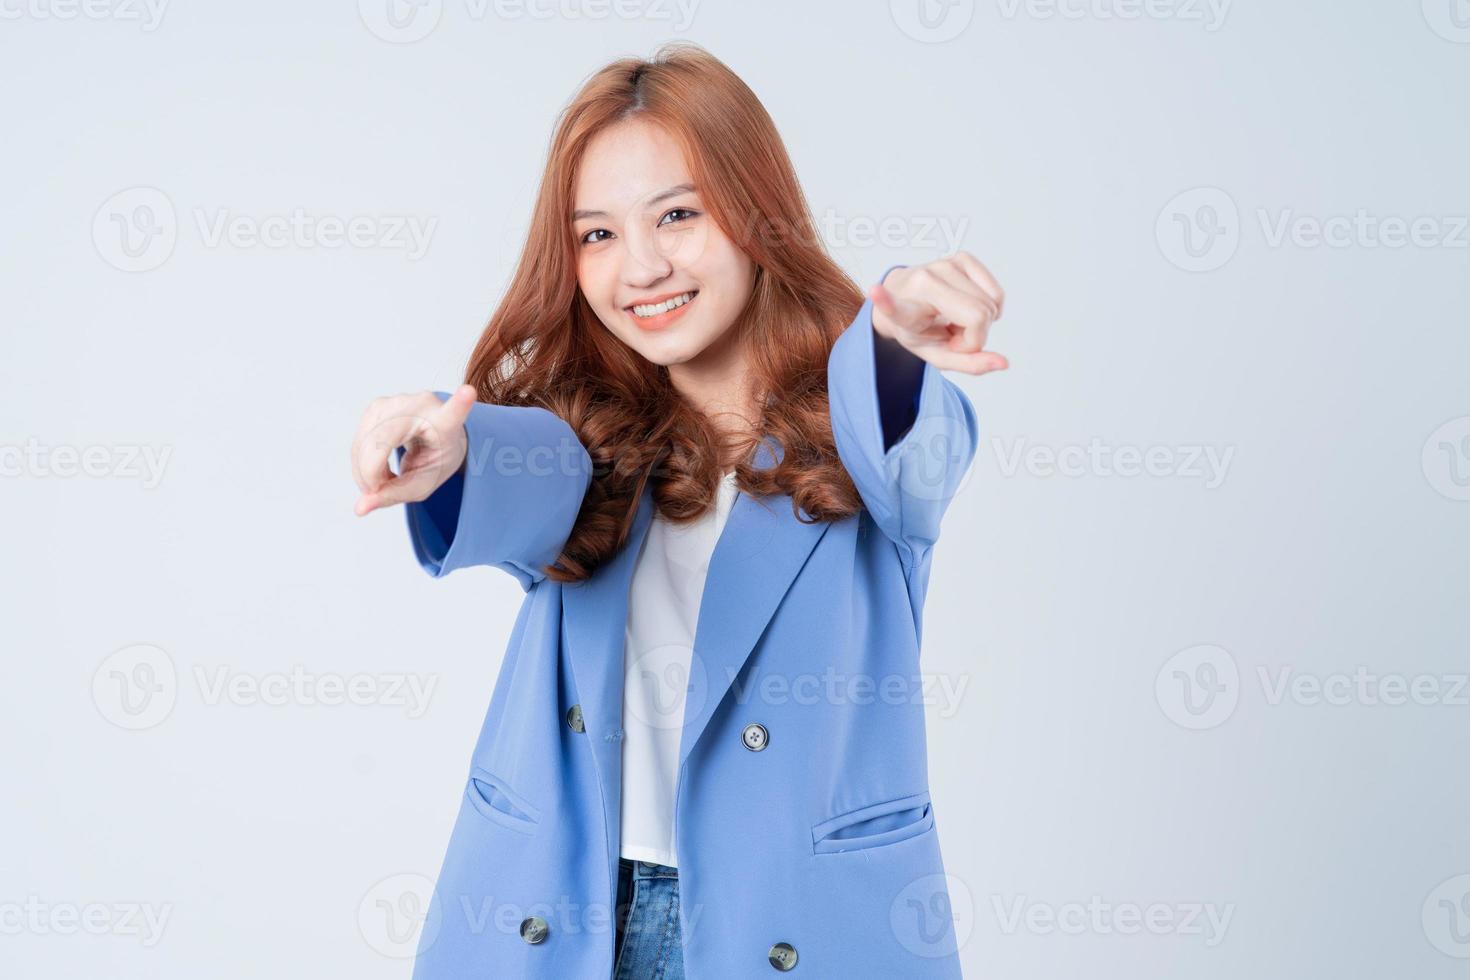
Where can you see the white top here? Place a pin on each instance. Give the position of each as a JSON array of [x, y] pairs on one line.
[[663, 610]]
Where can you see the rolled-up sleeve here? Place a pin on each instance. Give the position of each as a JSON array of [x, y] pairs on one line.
[[906, 478], [514, 501]]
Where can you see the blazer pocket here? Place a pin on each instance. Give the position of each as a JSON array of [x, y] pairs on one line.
[[874, 825], [496, 801]]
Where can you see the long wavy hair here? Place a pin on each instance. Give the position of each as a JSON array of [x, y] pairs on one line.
[[545, 347]]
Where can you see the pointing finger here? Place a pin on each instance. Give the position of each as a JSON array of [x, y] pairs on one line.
[[981, 362]]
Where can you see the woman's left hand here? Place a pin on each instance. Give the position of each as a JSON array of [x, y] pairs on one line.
[[942, 312]]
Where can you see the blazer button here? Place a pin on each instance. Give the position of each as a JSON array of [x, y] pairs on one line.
[[534, 929], [782, 957], [755, 737], [574, 718]]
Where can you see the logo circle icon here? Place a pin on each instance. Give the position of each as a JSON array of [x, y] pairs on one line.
[[1446, 917], [674, 684], [1199, 229], [136, 229], [934, 449], [400, 21], [932, 21], [1450, 19], [136, 687], [400, 915], [933, 916], [1198, 687], [1445, 459]]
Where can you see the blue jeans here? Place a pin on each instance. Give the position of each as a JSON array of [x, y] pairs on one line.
[[648, 945]]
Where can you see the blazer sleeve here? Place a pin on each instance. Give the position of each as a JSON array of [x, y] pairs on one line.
[[906, 435], [512, 503]]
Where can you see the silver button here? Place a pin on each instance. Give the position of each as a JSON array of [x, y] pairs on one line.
[[755, 737], [534, 929], [574, 718], [782, 957]]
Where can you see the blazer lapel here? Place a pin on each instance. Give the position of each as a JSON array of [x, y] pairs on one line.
[[758, 554], [595, 615]]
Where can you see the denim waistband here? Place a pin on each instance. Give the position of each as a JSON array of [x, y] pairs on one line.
[[648, 869]]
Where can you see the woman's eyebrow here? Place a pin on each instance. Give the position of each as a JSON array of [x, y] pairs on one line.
[[674, 191]]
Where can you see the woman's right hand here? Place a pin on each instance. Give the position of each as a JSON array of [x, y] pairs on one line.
[[432, 434]]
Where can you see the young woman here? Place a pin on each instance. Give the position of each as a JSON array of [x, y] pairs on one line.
[[718, 472]]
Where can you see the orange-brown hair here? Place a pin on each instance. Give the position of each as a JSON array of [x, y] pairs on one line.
[[544, 346]]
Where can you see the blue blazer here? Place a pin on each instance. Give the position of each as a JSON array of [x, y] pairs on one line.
[[823, 838]]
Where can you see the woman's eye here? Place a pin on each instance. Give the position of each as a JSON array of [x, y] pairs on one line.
[[676, 214]]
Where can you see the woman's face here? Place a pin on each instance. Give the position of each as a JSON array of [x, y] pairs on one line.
[[643, 237]]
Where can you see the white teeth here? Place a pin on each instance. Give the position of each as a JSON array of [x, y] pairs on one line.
[[654, 309]]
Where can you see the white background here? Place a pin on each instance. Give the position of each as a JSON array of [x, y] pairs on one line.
[[1082, 762]]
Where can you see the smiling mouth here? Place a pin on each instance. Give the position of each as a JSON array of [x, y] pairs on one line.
[[652, 311]]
